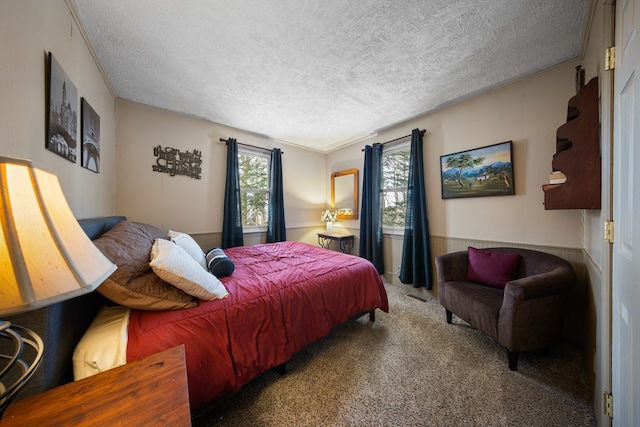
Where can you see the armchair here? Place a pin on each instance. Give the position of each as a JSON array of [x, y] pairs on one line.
[[527, 314]]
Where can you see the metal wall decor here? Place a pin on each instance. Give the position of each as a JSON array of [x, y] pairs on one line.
[[175, 162]]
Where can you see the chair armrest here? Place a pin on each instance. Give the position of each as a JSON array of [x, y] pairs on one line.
[[532, 309], [452, 267], [554, 282]]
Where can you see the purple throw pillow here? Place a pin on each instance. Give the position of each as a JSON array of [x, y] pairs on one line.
[[492, 268]]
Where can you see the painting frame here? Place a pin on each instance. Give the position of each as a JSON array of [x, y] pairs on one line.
[[90, 131], [478, 172], [62, 111]]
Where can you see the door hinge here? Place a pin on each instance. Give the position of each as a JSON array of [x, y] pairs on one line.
[[610, 58], [608, 404], [608, 231]]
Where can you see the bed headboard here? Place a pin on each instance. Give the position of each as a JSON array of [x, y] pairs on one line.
[[62, 325]]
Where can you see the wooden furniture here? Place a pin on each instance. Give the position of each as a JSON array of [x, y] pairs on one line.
[[578, 155], [345, 241], [61, 325], [344, 193], [269, 290], [151, 391]]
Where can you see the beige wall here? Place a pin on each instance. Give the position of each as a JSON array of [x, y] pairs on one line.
[[28, 30], [527, 112], [196, 205]]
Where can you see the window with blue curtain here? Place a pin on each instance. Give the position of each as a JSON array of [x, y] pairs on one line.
[[254, 196], [394, 196], [232, 218], [371, 215], [415, 267], [276, 228]]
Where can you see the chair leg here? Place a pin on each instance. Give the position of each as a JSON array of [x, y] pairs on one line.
[[449, 316], [513, 360]]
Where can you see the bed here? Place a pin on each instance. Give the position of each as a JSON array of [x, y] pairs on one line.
[[281, 297]]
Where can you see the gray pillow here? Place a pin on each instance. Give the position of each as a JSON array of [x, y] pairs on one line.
[[134, 284]]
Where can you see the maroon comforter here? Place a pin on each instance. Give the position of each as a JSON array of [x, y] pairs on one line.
[[282, 296]]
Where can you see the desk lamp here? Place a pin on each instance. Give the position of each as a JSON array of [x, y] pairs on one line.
[[45, 258], [329, 216]]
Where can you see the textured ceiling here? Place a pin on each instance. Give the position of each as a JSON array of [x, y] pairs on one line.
[[323, 73]]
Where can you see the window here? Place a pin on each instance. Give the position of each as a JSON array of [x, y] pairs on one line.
[[254, 188], [395, 174]]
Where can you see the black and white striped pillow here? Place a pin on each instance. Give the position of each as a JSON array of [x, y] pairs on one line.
[[218, 263]]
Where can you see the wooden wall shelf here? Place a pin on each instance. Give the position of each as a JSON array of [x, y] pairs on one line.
[[578, 154]]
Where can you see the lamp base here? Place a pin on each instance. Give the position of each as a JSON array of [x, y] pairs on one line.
[[329, 227], [15, 372]]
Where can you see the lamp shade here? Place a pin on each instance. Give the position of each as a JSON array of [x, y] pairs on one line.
[[329, 215], [45, 256]]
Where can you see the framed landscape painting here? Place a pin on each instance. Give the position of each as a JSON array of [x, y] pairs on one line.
[[484, 171]]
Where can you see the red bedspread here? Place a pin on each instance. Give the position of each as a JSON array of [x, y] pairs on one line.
[[282, 296]]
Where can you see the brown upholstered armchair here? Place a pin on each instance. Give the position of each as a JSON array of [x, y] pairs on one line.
[[526, 315]]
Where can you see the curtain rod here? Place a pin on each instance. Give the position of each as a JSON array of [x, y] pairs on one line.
[[422, 132], [226, 141]]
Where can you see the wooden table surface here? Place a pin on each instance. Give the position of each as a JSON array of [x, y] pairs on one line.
[[152, 391]]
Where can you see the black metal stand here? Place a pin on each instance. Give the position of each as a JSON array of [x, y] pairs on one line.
[[16, 372], [345, 242]]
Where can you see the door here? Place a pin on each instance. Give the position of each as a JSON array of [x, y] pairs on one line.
[[626, 204]]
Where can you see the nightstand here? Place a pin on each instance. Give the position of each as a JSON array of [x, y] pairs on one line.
[[151, 391], [344, 240]]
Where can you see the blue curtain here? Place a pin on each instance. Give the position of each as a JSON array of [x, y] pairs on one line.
[[415, 267], [371, 216], [232, 220], [276, 229]]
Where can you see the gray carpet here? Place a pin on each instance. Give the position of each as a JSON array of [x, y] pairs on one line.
[[410, 368]]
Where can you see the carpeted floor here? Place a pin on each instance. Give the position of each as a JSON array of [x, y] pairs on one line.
[[410, 368]]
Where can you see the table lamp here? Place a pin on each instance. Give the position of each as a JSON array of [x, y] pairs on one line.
[[329, 216], [45, 258]]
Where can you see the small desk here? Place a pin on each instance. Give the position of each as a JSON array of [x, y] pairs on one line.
[[151, 391], [345, 241]]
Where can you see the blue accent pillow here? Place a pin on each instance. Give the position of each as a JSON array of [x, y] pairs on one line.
[[218, 263]]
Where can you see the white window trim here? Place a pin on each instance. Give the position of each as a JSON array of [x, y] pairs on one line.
[[396, 231], [249, 151], [401, 146]]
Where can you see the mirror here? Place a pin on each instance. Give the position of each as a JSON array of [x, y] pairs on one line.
[[344, 193]]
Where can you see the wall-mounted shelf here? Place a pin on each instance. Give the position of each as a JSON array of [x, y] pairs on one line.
[[578, 154]]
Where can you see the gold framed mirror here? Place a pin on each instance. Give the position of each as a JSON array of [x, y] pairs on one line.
[[344, 193]]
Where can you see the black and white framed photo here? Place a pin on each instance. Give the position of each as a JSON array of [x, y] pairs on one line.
[[62, 114], [90, 156]]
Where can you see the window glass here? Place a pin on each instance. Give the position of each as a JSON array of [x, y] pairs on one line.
[[254, 188], [395, 173]]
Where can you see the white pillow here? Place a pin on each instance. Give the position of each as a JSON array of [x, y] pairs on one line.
[[174, 265], [192, 247], [104, 345]]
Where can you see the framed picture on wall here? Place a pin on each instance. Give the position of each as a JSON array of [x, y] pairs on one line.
[[62, 112], [90, 155], [484, 171]]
